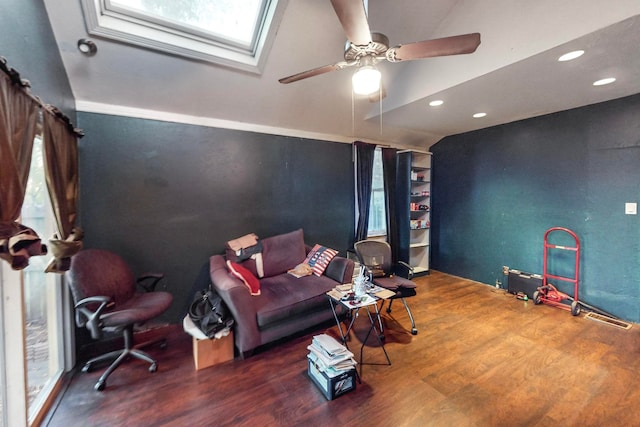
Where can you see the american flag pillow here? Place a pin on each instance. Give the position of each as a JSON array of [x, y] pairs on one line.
[[319, 258]]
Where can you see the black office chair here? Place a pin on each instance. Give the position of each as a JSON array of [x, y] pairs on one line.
[[375, 255], [106, 300]]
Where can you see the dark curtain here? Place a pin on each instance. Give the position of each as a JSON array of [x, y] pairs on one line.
[[390, 182], [401, 202], [19, 112], [364, 178], [61, 170], [18, 121]]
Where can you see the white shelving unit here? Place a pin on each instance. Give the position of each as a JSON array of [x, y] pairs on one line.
[[420, 211]]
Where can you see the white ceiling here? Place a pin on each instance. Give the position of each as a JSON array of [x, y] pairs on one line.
[[513, 75]]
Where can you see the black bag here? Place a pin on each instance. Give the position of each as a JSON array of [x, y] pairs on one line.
[[209, 313]]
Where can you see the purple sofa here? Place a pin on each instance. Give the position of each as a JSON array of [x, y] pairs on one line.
[[286, 304]]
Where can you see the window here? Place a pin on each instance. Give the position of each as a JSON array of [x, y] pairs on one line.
[[203, 17], [35, 335], [235, 33], [42, 294], [377, 210]]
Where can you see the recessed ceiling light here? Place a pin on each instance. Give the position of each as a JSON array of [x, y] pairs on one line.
[[606, 81], [478, 115], [87, 47], [571, 55], [436, 103]]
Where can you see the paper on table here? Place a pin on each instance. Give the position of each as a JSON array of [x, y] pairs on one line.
[[384, 294], [361, 301]]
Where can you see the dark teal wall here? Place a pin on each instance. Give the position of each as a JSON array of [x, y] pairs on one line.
[[26, 41], [496, 191], [167, 196]]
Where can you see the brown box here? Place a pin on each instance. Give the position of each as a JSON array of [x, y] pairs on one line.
[[211, 352]]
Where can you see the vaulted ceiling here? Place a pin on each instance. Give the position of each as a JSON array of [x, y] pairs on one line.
[[514, 74]]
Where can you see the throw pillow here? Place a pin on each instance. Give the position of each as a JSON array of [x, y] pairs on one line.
[[250, 263], [246, 276], [319, 258]]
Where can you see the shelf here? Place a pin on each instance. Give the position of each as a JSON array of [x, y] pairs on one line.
[[419, 219], [419, 270], [419, 245]]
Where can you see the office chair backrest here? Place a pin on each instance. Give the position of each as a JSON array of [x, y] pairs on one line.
[[96, 272], [375, 254]]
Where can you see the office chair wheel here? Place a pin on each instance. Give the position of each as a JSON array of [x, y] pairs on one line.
[[414, 331], [153, 367], [100, 385], [87, 368]]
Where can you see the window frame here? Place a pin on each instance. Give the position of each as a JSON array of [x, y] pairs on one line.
[[377, 164], [134, 27], [14, 365]]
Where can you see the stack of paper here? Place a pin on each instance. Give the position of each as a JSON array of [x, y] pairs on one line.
[[330, 356]]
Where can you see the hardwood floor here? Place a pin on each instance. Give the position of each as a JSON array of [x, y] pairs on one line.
[[481, 358]]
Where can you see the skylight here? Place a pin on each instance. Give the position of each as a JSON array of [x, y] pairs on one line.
[[235, 33]]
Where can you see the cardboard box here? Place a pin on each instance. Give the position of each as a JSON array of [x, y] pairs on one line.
[[211, 352], [332, 387]]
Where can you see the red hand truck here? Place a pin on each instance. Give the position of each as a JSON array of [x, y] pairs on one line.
[[547, 293]]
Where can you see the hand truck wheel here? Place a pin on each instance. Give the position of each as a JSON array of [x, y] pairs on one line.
[[536, 298], [575, 308]]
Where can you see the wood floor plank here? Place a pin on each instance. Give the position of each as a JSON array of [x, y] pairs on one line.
[[481, 358]]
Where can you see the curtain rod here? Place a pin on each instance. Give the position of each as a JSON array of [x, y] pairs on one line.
[[14, 77], [374, 143]]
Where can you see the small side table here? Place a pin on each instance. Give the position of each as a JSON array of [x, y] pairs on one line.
[[354, 309]]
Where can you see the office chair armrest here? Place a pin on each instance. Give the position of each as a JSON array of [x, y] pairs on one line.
[[85, 317], [148, 281], [409, 269]]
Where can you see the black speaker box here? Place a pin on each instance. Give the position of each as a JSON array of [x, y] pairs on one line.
[[519, 281]]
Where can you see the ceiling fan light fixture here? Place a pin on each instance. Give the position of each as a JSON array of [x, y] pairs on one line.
[[366, 80]]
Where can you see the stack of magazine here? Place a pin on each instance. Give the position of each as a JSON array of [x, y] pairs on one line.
[[329, 356]]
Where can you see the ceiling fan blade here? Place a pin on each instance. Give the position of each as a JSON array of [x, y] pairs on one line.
[[456, 45], [353, 18], [315, 72]]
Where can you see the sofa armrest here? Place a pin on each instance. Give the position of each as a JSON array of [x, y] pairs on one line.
[[238, 299], [340, 269]]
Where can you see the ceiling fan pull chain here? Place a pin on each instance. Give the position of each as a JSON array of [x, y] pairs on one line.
[[380, 92], [353, 115]]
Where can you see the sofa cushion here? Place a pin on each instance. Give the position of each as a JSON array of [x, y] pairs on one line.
[[282, 252], [247, 277], [284, 297], [319, 258]]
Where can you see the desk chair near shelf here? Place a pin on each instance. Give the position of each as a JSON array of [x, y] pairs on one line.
[[106, 300], [376, 256]]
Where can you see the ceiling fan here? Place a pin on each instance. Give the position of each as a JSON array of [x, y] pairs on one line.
[[364, 49]]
